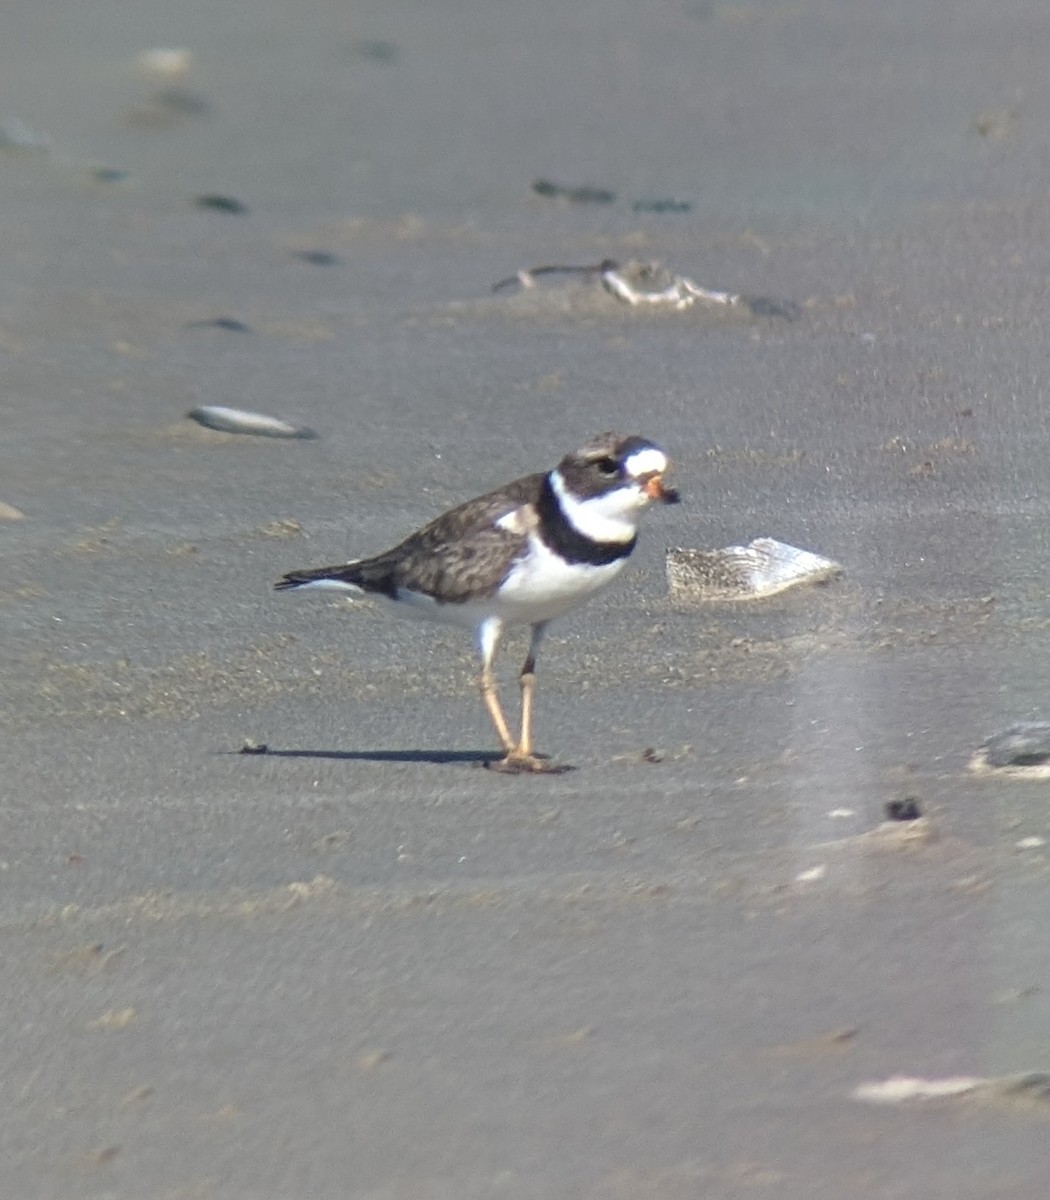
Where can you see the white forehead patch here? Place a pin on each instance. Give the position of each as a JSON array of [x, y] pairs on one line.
[[645, 462]]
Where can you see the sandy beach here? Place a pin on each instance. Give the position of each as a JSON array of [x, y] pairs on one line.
[[361, 965]]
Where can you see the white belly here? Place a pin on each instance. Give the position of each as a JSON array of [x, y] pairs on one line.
[[543, 586], [540, 587]]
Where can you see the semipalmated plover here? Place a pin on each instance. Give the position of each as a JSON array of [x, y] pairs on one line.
[[521, 555]]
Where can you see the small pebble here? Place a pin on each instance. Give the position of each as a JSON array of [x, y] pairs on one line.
[[1026, 744], [903, 810], [318, 258], [230, 324], [110, 175], [224, 204], [575, 195]]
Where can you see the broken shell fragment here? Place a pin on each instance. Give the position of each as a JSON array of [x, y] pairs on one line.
[[1030, 1087], [650, 283], [633, 282], [1020, 752], [237, 420], [762, 568]]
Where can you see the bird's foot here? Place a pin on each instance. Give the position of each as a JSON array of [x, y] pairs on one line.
[[516, 763]]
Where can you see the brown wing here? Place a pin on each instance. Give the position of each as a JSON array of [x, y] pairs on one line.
[[473, 517], [461, 553]]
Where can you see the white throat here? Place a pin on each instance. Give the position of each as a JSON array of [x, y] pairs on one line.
[[610, 517]]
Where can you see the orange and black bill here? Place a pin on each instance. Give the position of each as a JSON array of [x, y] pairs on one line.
[[656, 489]]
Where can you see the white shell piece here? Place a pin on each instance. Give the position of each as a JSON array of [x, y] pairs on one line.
[[762, 568], [1030, 1088], [651, 283], [900, 1088], [237, 420]]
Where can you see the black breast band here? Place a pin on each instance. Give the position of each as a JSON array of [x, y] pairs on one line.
[[561, 536]]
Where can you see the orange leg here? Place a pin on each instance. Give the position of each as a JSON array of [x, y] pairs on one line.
[[488, 640], [520, 759], [495, 709]]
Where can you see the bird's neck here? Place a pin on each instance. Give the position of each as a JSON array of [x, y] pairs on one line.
[[578, 530]]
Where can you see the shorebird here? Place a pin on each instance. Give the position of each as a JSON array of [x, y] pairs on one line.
[[523, 554]]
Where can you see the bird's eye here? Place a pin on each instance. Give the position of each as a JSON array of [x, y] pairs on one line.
[[608, 467]]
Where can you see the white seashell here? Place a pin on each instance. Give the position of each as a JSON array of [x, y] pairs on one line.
[[900, 1088], [8, 512], [650, 283], [237, 420], [1030, 1088], [762, 568]]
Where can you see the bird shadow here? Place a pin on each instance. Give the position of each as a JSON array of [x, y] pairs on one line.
[[435, 757]]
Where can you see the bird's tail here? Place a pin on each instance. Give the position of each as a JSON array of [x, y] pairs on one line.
[[343, 578]]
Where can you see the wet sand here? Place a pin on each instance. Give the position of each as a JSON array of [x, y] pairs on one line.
[[361, 965]]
